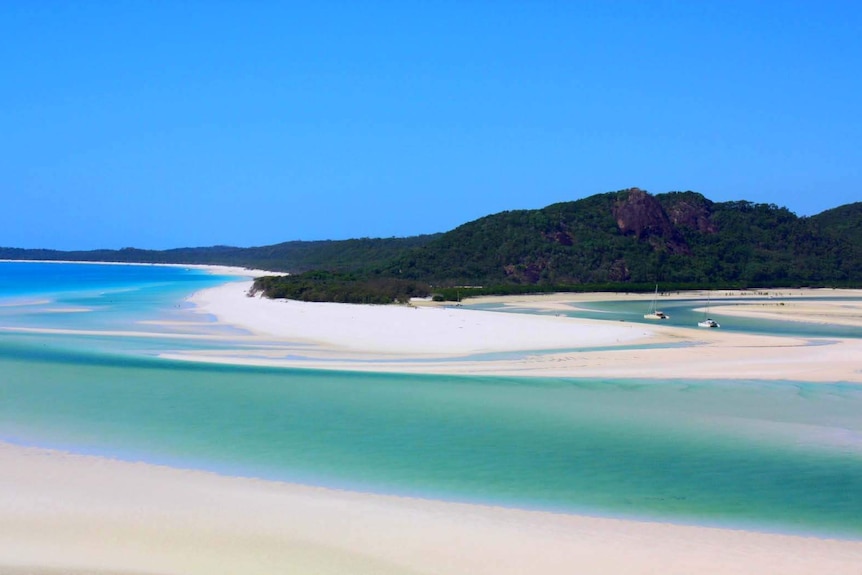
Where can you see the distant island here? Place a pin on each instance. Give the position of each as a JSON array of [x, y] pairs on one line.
[[627, 240]]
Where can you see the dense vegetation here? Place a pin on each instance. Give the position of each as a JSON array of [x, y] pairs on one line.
[[340, 287], [292, 257], [619, 240], [633, 237]]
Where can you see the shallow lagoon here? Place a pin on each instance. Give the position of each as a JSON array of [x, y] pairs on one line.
[[686, 313], [776, 456]]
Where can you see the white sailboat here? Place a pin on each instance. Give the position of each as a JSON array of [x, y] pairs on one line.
[[653, 312], [707, 321]]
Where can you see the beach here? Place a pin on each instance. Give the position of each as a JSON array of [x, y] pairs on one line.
[[62, 513], [76, 514], [405, 339]]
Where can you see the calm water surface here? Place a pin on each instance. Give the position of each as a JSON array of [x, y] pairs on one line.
[[686, 313], [781, 456]]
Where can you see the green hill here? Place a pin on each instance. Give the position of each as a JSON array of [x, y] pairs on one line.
[[631, 236], [626, 238]]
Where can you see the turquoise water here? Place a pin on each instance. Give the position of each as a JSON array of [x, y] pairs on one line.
[[783, 456], [91, 296], [683, 313]]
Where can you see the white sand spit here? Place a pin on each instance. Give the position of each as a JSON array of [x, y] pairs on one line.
[[435, 339], [404, 330]]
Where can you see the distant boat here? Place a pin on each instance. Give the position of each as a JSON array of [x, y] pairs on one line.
[[653, 312], [707, 322]]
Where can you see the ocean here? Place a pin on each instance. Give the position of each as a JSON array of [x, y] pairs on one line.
[[80, 371]]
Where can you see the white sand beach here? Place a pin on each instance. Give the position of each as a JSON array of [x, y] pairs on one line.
[[402, 331], [76, 514], [404, 339]]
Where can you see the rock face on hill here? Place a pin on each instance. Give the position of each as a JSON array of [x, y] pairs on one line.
[[641, 214], [634, 236], [690, 210]]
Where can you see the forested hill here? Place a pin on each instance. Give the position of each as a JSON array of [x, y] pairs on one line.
[[631, 236], [624, 237], [293, 257]]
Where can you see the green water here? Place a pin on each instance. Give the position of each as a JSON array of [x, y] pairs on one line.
[[775, 456], [686, 313]]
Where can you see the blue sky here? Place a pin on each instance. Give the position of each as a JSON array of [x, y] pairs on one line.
[[165, 124]]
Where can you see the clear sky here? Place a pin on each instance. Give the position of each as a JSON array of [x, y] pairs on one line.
[[159, 124]]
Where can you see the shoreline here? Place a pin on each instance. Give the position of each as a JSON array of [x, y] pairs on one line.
[[164, 520], [211, 268], [62, 512], [441, 339]]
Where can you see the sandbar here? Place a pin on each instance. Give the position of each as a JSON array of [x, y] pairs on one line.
[[430, 338], [76, 514]]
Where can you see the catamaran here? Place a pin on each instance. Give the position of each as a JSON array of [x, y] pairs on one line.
[[653, 312]]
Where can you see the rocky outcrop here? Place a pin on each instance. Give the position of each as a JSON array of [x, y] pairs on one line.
[[562, 237], [640, 214], [691, 210]]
